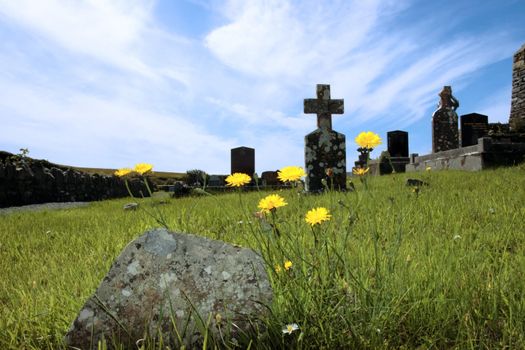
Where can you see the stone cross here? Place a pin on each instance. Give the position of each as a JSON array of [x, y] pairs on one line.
[[324, 148], [323, 106]]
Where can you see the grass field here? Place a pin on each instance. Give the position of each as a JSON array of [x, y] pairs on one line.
[[438, 268]]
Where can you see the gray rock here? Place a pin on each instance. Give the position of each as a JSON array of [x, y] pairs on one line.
[[162, 277], [131, 206]]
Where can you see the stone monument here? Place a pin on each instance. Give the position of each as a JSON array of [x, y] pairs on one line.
[[445, 134], [325, 149], [397, 143], [517, 107], [243, 160], [473, 126], [395, 158]]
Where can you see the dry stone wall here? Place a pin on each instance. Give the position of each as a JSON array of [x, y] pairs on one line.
[[30, 181]]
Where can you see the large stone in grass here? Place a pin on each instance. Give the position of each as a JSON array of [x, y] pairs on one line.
[[164, 280]]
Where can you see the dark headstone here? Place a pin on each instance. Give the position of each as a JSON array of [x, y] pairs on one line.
[[270, 178], [445, 134], [517, 107], [325, 149], [473, 126], [413, 157], [397, 143], [243, 160], [217, 181]]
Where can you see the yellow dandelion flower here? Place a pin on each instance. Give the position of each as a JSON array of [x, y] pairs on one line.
[[238, 180], [368, 139], [317, 216], [278, 268], [291, 173], [288, 265], [428, 168], [123, 172], [271, 202], [360, 171], [143, 168]]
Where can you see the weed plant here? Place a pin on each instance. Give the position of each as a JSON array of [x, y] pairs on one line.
[[441, 266]]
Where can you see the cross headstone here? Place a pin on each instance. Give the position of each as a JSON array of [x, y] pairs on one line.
[[473, 126], [243, 160], [325, 150], [397, 143], [445, 134]]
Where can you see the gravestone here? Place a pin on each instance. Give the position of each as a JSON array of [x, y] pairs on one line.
[[243, 160], [445, 133], [397, 143], [217, 181], [166, 282], [325, 149], [396, 158], [473, 126], [270, 178], [517, 106]]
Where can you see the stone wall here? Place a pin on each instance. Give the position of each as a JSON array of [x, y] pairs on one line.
[[517, 108], [30, 181]]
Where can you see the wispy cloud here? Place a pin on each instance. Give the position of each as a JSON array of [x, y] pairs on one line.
[[107, 77]]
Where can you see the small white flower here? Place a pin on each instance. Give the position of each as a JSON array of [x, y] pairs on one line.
[[456, 237], [289, 328], [492, 211]]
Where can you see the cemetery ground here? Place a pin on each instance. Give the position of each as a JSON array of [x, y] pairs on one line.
[[430, 267]]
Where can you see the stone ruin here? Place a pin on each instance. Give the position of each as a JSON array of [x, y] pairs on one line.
[[24, 181], [517, 107]]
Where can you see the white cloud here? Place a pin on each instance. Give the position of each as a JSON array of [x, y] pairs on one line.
[[106, 77], [84, 127], [280, 39], [106, 30]]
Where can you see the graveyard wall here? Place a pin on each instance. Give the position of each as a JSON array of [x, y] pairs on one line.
[[30, 181]]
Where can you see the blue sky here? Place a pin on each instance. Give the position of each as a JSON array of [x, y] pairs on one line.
[[178, 83]]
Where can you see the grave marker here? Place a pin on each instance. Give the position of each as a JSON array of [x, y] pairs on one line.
[[325, 150], [445, 133], [269, 178], [243, 160], [473, 126], [397, 143]]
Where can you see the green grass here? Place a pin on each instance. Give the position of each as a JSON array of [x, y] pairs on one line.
[[442, 268]]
